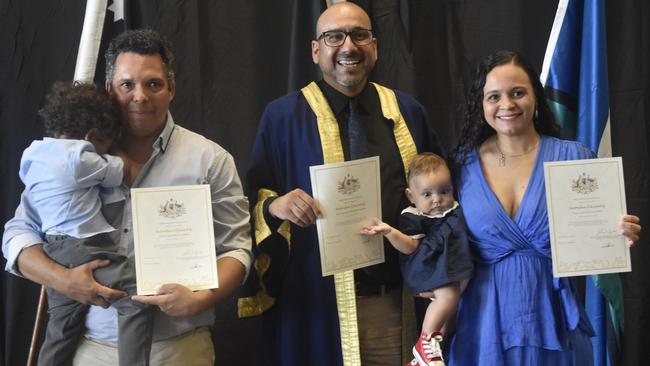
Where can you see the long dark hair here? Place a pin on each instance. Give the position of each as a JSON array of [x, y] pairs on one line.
[[475, 129]]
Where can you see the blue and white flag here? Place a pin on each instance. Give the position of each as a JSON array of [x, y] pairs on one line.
[[574, 75]]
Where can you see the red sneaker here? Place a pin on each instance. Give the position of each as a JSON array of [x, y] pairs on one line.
[[427, 350]]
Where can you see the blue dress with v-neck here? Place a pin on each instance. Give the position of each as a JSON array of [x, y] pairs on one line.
[[514, 312]]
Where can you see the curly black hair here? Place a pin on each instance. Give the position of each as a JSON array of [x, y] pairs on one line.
[[71, 110], [141, 42], [476, 129]]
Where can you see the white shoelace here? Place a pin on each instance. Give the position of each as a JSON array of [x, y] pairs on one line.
[[431, 352], [431, 349], [431, 346]]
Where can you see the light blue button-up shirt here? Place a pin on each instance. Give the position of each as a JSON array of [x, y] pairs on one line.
[[63, 179], [180, 157]]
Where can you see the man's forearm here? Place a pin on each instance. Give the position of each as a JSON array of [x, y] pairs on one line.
[[76, 283], [231, 275], [35, 265]]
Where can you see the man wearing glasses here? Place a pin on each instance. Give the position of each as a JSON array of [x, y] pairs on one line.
[[308, 318]]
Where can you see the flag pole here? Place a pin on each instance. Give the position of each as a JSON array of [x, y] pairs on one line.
[[91, 37]]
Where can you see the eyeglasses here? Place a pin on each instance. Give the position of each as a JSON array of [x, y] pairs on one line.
[[336, 38]]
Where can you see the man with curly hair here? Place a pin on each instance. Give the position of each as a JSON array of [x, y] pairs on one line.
[[156, 152]]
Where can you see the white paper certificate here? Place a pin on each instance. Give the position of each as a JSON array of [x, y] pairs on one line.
[[173, 237], [349, 195], [586, 199]]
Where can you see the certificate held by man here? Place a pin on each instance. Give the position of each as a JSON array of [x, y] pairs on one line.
[[586, 199], [349, 195], [173, 237]]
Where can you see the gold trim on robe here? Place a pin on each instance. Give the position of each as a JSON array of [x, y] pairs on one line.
[[333, 153], [262, 230], [390, 110], [260, 302], [408, 150], [256, 305], [346, 301]]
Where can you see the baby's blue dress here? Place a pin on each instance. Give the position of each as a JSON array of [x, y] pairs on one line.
[[443, 255], [514, 312]]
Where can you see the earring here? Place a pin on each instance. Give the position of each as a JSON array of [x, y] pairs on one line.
[[535, 117]]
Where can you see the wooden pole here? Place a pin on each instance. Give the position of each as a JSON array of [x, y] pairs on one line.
[[38, 328]]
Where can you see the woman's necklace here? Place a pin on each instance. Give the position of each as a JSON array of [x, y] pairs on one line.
[[502, 156]]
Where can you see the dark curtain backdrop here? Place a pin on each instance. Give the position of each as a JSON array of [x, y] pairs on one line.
[[236, 56]]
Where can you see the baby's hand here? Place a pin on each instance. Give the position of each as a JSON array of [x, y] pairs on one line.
[[379, 227]]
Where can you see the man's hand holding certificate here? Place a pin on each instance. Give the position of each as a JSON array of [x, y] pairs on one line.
[[349, 195], [174, 238], [586, 199]]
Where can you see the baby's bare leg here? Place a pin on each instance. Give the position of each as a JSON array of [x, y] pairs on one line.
[[442, 307]]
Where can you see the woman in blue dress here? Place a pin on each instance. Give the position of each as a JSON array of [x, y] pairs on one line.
[[514, 312]]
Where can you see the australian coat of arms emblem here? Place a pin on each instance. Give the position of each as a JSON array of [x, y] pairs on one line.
[[348, 184], [171, 209], [584, 184]]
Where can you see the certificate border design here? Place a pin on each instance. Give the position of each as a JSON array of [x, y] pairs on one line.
[[209, 281], [345, 266], [582, 267]]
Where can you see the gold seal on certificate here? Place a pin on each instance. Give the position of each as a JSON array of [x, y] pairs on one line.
[[585, 200], [349, 195], [173, 237]]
